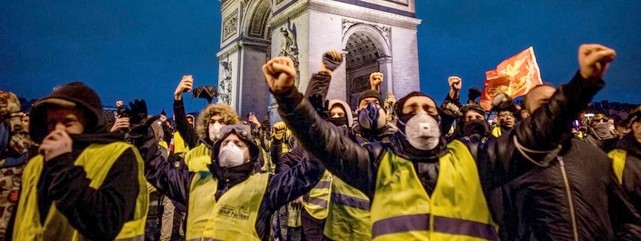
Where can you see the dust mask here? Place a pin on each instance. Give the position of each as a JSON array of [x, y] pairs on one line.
[[231, 155], [423, 131], [214, 130]]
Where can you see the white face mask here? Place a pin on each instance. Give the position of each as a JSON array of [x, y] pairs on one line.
[[214, 130], [423, 131], [231, 155]]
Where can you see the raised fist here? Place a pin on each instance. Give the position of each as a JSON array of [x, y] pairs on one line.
[[280, 74], [185, 85], [455, 82], [375, 79], [331, 60], [594, 60]]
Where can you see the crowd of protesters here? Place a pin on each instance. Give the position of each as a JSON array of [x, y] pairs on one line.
[[386, 169]]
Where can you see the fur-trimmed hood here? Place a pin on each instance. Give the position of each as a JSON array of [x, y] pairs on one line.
[[225, 111]]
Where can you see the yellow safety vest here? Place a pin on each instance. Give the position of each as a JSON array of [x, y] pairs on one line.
[[349, 217], [198, 159], [496, 131], [179, 144], [456, 210], [202, 199], [96, 161], [317, 200], [618, 163], [236, 212]]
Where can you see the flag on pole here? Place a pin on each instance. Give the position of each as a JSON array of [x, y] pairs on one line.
[[514, 76]]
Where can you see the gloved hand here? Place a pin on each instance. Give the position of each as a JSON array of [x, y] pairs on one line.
[[320, 105], [332, 59], [473, 93], [137, 112]]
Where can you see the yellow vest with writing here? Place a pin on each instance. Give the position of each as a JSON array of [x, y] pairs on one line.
[[349, 215], [456, 210], [236, 212], [618, 163], [317, 200], [198, 159], [202, 200], [96, 161]]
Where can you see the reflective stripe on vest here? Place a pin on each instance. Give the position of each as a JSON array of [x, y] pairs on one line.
[[420, 222], [202, 199], [317, 200], [236, 212], [456, 210], [350, 201], [198, 159], [96, 160], [618, 163], [349, 217]]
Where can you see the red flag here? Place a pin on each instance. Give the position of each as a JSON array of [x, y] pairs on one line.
[[514, 76]]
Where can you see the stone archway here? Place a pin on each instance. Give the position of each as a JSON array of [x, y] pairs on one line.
[[367, 51]]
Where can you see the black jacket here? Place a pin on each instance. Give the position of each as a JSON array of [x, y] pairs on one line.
[[536, 201], [358, 166], [632, 170], [110, 206]]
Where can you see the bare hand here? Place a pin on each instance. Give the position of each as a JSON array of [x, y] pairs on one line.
[[280, 74], [375, 79], [55, 144], [455, 82], [121, 123], [253, 119], [594, 60], [185, 85]]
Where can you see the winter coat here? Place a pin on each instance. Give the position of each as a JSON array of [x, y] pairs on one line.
[[282, 188], [544, 130]]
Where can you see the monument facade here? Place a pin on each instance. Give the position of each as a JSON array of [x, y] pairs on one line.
[[375, 35]]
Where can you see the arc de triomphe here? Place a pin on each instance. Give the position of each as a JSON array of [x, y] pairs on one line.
[[376, 35]]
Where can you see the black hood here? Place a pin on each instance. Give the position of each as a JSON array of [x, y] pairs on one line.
[[73, 95]]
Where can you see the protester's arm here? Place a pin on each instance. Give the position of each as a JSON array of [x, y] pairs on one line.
[[186, 131], [98, 214], [288, 185], [550, 123], [339, 154], [167, 179]]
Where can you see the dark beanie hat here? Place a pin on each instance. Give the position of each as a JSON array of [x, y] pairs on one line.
[[370, 93], [71, 95], [401, 102]]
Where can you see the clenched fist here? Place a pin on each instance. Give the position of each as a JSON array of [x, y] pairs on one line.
[[280, 74], [455, 84], [594, 60]]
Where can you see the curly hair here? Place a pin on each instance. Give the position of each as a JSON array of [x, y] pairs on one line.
[[225, 111]]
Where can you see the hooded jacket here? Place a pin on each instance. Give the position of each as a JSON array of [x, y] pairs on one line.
[[281, 189], [96, 214], [192, 135], [544, 130]]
